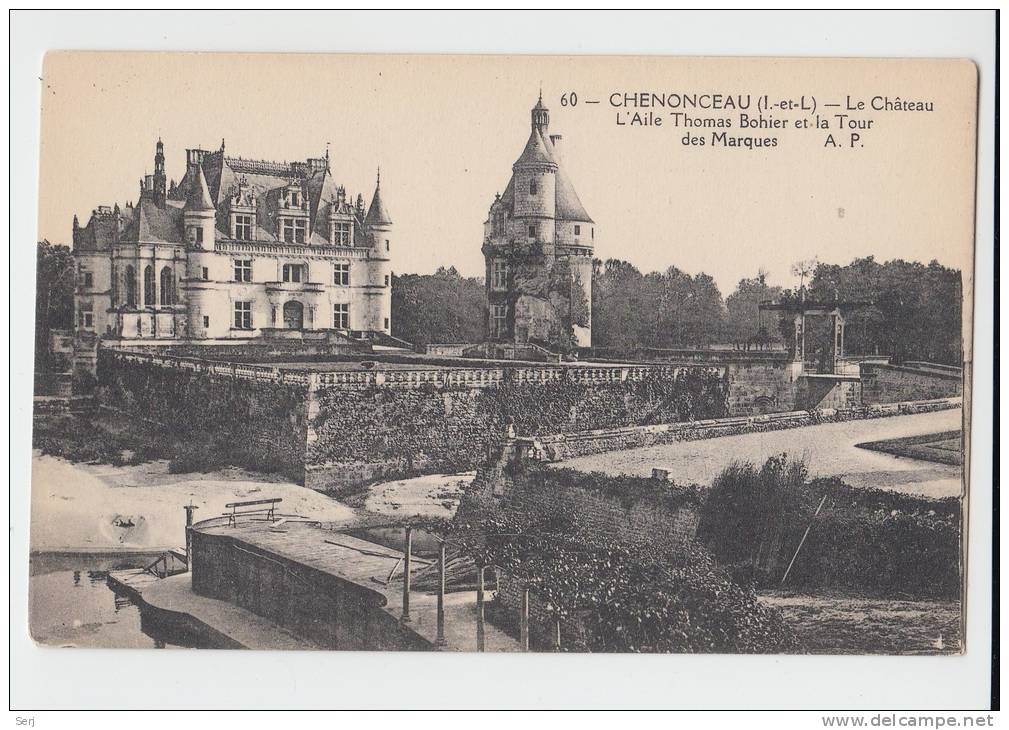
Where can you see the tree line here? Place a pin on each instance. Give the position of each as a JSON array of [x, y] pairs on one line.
[[912, 313]]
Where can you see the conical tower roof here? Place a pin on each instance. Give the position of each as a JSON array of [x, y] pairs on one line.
[[199, 194], [377, 214]]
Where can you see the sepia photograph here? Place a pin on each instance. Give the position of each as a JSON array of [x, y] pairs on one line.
[[503, 353]]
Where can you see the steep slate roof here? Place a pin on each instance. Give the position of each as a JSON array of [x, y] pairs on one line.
[[156, 224], [266, 180], [377, 214], [198, 197], [540, 150], [537, 151]]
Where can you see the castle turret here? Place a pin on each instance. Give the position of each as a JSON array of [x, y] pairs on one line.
[[538, 242], [199, 211], [159, 179], [378, 225]]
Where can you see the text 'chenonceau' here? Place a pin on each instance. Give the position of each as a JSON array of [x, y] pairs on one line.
[[755, 121]]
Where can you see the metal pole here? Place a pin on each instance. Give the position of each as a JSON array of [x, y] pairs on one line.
[[803, 540], [440, 641], [479, 609], [406, 574], [557, 635], [524, 620]]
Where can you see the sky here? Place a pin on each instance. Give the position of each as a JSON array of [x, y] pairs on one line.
[[446, 129]]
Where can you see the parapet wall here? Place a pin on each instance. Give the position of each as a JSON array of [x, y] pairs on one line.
[[896, 383], [335, 613]]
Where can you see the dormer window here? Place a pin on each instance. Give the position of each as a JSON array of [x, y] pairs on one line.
[[343, 232], [293, 230], [243, 227]]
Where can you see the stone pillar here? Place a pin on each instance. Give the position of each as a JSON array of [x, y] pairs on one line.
[[799, 346]]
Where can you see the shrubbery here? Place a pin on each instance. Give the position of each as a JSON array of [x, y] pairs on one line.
[[629, 599], [753, 520]]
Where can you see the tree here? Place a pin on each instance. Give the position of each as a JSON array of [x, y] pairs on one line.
[[744, 322], [54, 297], [443, 307]]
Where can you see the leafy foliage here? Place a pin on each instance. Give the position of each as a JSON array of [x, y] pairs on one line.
[[443, 307], [54, 299], [753, 519], [631, 599]]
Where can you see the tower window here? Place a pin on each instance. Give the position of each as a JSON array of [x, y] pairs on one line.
[[341, 316], [499, 274], [243, 269], [206, 321], [498, 320], [533, 187], [87, 316], [387, 244], [386, 323], [198, 235], [387, 280], [206, 274], [532, 231], [243, 227], [243, 315], [341, 274], [578, 230]]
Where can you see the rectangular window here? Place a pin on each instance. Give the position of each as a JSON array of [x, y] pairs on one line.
[[243, 269], [341, 274], [199, 235], [387, 244], [206, 274], [243, 227], [243, 315], [206, 321], [341, 316], [578, 230], [387, 323], [293, 230], [87, 316], [88, 279], [532, 231], [387, 280], [499, 275], [294, 273], [498, 320], [342, 232]]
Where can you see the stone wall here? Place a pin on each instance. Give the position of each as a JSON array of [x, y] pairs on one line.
[[445, 420], [627, 510], [258, 422], [895, 383], [335, 613]]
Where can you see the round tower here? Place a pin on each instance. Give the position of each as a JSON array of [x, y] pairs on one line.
[[535, 183], [199, 213], [378, 225]]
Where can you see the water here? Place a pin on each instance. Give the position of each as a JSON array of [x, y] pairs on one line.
[[70, 604]]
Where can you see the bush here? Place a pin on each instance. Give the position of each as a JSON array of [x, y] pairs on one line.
[[753, 520], [629, 599]]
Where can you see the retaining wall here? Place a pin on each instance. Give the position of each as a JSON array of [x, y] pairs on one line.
[[895, 383]]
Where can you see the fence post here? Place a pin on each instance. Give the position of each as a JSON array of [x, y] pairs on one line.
[[189, 534], [440, 640], [524, 620], [479, 608], [406, 574]]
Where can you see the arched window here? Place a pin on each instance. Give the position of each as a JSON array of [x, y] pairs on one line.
[[130, 282], [167, 286], [149, 286]]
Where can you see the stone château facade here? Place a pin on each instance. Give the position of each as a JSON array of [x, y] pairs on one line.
[[237, 249], [538, 244]]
